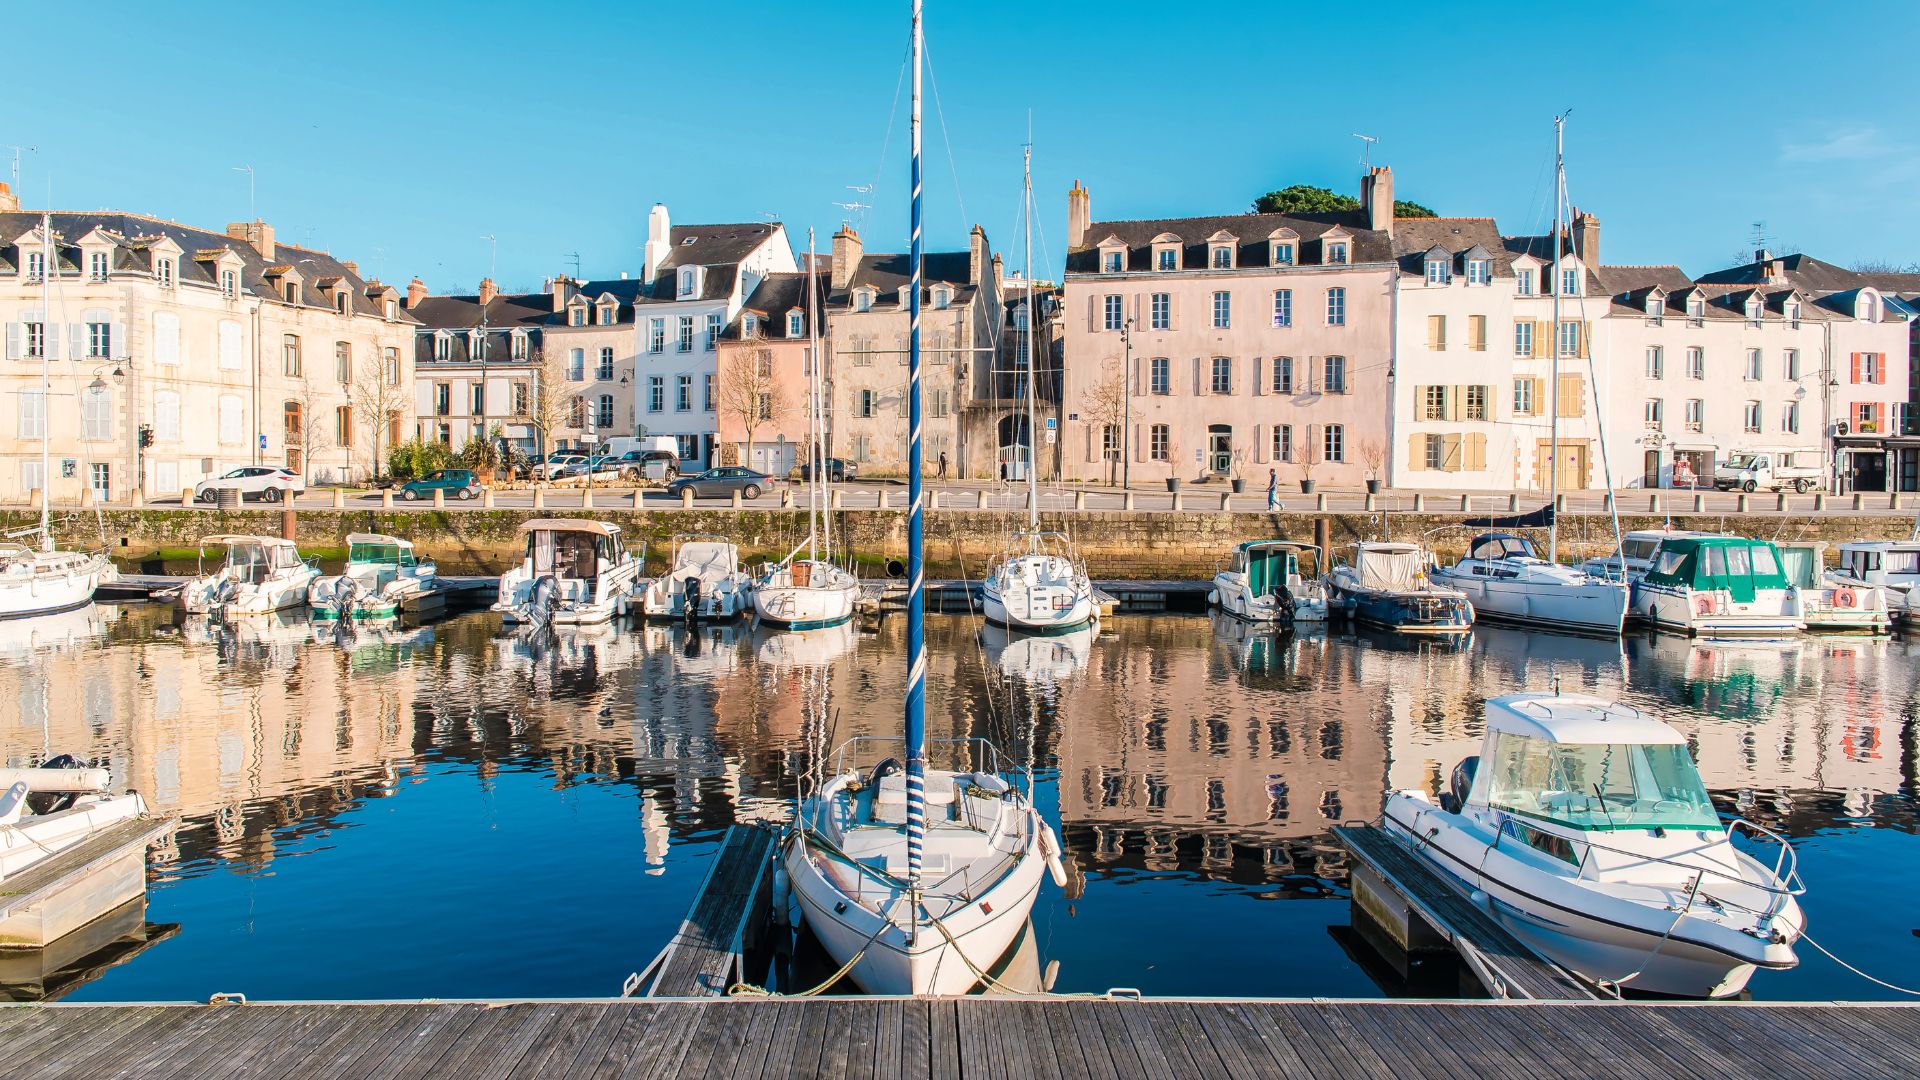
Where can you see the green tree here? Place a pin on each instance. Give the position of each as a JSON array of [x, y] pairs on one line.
[[1308, 199], [1403, 208]]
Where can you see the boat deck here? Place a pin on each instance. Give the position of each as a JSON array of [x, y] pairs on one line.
[[703, 959], [879, 1038], [70, 864]]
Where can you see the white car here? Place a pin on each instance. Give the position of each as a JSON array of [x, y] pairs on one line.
[[263, 482], [556, 464]]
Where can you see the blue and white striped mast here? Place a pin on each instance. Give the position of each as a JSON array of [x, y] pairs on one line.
[[916, 572]]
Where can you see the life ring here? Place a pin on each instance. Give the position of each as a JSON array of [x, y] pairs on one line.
[[1844, 597], [1702, 604]]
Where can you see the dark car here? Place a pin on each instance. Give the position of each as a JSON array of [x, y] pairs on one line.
[[723, 481], [837, 470], [458, 483], [633, 464]]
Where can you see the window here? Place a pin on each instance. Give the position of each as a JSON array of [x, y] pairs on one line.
[[1569, 338], [1159, 439], [656, 335], [1523, 282], [603, 412], [293, 423], [1790, 418], [442, 346], [657, 393], [1336, 307], [1696, 363], [1436, 332], [942, 296], [343, 425], [1477, 333], [343, 362], [749, 325], [1166, 259], [712, 336], [1434, 453], [340, 299], [1222, 257], [1570, 281], [293, 292], [1433, 403], [937, 405], [521, 401], [1114, 261], [763, 363], [1283, 442], [1655, 414], [1479, 272], [1753, 311], [708, 392], [96, 266], [1222, 375], [1792, 366], [36, 266], [686, 281], [1283, 374], [1439, 271], [33, 478], [576, 417], [517, 345], [1868, 368], [392, 308], [576, 365], [477, 346], [682, 394], [229, 284], [577, 315], [1655, 309], [163, 273], [1282, 308], [100, 340], [231, 346], [1476, 404], [1159, 376], [1753, 365], [606, 314], [796, 325], [1283, 253], [1160, 308], [1696, 310], [1337, 252], [33, 415], [1333, 443], [1222, 310], [36, 340], [390, 364], [231, 432], [1752, 417], [290, 355], [1523, 339], [686, 333], [604, 371], [1793, 314], [477, 405], [1656, 362], [1111, 313], [1335, 370], [442, 399], [1109, 442], [1524, 401], [863, 403], [863, 300], [98, 475], [1696, 414], [166, 416]]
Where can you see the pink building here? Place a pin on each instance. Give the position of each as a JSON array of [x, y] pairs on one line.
[[1211, 347]]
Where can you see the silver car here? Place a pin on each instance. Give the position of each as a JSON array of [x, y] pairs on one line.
[[264, 482]]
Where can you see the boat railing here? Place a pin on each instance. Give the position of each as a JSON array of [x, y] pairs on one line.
[[980, 755], [1786, 867]]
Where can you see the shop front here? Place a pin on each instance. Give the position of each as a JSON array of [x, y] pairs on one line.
[[1878, 462], [1692, 465]]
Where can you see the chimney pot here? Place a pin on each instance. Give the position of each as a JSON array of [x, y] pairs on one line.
[[416, 292], [1586, 238], [847, 250], [1376, 197], [488, 290], [8, 200], [1079, 215]]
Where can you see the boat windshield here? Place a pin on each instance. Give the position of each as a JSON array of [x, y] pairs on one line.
[[1599, 786], [384, 554]]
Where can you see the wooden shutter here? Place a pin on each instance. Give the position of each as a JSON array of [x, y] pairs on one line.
[[1476, 452], [1539, 396], [1477, 333], [1543, 342], [1173, 311], [1139, 444], [1856, 367], [1586, 330], [1573, 396], [1419, 403], [1880, 369], [1199, 376], [1259, 382], [1450, 454], [1140, 368], [1454, 402], [1436, 331], [16, 340], [1093, 314], [1261, 443], [76, 343], [1093, 443], [1416, 453]]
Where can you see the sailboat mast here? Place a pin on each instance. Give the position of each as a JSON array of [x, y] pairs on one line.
[[46, 386], [916, 731], [1026, 213], [813, 412], [1553, 409]]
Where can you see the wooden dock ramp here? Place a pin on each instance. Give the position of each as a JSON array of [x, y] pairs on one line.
[[1387, 873], [728, 912]]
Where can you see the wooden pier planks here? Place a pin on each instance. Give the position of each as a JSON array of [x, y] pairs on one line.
[[886, 1038], [703, 957], [1502, 961]]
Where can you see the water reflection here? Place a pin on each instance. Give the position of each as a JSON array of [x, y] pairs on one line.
[[456, 809]]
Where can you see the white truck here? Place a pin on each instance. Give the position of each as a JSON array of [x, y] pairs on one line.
[[1774, 470]]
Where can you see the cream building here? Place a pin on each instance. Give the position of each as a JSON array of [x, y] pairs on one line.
[[217, 350], [477, 364]]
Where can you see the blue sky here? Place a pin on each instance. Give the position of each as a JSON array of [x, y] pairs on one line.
[[401, 139]]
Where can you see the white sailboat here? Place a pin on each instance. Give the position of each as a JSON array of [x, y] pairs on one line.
[[906, 901], [40, 580], [1502, 575], [805, 594], [1040, 584]]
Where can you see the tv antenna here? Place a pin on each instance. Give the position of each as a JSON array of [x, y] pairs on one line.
[[575, 256], [493, 253], [252, 214], [1366, 149], [1760, 237], [17, 151]]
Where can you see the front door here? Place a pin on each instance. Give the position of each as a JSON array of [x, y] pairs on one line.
[[1869, 470], [1220, 449], [1651, 475], [1572, 464]]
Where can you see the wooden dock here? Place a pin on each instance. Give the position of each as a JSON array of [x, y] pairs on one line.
[[75, 885], [1390, 884], [724, 921], [883, 1038]]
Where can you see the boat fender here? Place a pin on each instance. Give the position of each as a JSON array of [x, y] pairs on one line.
[[13, 803], [1213, 597], [781, 891], [1481, 900], [1702, 604], [1050, 849]]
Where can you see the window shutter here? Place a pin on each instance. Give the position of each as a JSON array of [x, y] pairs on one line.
[[119, 343], [1477, 333], [1542, 339], [1139, 444], [1093, 314], [76, 343], [1454, 396], [14, 343], [1436, 331], [1093, 443], [1477, 452], [1539, 395], [1199, 376], [1173, 311], [1856, 367], [1586, 329], [1416, 453], [1259, 381], [1450, 454], [1140, 376], [1880, 369], [1261, 444], [1419, 403]]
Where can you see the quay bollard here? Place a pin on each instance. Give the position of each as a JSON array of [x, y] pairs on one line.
[[1699, 503], [1126, 501], [1226, 502], [1080, 500], [586, 498], [1560, 504], [786, 498], [735, 501], [686, 499], [1176, 501], [339, 498], [637, 500], [838, 502], [1320, 501], [886, 499], [933, 500], [981, 502], [439, 499], [1513, 502], [1740, 503], [1780, 502], [1466, 504], [186, 496], [486, 498], [386, 498], [1608, 504], [1369, 507], [1893, 501], [1859, 501], [1819, 501], [539, 498], [138, 498], [1419, 502]]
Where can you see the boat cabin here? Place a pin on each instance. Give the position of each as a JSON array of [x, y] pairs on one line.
[[1389, 567], [252, 559], [1493, 547], [1804, 562], [380, 550], [1736, 565], [1894, 563], [1267, 564], [572, 549], [1587, 764]]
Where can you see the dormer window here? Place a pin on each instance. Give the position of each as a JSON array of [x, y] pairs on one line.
[[36, 265], [1336, 252], [749, 325], [607, 314], [1439, 270], [686, 281], [229, 284], [341, 301], [1166, 259], [942, 296], [293, 292], [1113, 262], [391, 308], [476, 346], [96, 266], [1753, 310], [1868, 308], [1479, 272], [796, 324], [577, 315], [163, 273], [1221, 257], [442, 345], [1523, 281], [1656, 307], [905, 297], [863, 300], [1793, 314], [1283, 253], [1696, 310], [1570, 281], [518, 343]]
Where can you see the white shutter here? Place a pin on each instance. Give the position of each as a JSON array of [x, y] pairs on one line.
[[166, 338], [120, 342], [230, 420], [230, 350], [15, 333], [76, 343], [50, 348], [1259, 380], [1199, 376], [1261, 443]]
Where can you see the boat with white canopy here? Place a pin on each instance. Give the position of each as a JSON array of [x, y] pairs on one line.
[[1831, 602], [1892, 565], [704, 582], [258, 576], [917, 878], [1583, 826], [382, 578], [1387, 585], [1506, 580], [575, 572], [1272, 581]]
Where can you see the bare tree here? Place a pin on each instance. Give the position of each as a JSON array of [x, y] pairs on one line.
[[1105, 403], [379, 399], [1373, 454], [551, 401], [306, 429], [1306, 454], [750, 394]]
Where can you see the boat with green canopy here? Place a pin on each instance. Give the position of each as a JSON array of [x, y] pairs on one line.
[[1719, 586]]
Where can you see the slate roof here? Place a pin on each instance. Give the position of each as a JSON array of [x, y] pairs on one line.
[[464, 312], [889, 273], [137, 235], [717, 248], [776, 295], [1541, 248], [1251, 231], [1414, 237], [626, 292]]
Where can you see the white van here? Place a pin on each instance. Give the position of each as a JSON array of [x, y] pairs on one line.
[[621, 445], [1774, 470]]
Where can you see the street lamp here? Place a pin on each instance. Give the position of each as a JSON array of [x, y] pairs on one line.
[[1126, 406]]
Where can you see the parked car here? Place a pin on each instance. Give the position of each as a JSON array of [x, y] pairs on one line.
[[635, 465], [264, 482], [837, 470], [723, 481], [457, 483], [556, 464], [602, 466]]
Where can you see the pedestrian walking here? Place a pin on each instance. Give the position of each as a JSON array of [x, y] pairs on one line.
[[1273, 490], [943, 464]]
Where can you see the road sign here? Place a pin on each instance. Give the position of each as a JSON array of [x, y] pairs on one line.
[[1053, 422], [1051, 436], [263, 442]]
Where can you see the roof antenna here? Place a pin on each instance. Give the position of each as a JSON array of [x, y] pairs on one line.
[[17, 150], [575, 256], [252, 214], [493, 254], [1366, 149]]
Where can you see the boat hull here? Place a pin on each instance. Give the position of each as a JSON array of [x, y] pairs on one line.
[[47, 592], [1598, 608], [795, 607], [1421, 615], [1700, 614], [1230, 596]]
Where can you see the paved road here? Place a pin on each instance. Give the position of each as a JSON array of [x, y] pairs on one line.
[[964, 495]]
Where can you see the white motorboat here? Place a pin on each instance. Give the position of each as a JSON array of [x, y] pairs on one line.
[[1039, 586], [1634, 556], [575, 573], [259, 575], [43, 582], [1830, 602], [44, 811], [1892, 565], [1387, 585], [1585, 829], [705, 582], [917, 880], [1719, 586], [1265, 582], [1506, 581], [382, 578]]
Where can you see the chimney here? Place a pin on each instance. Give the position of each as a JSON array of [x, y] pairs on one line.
[[976, 255], [999, 275], [260, 235], [488, 290], [659, 242], [1376, 198], [1586, 238], [846, 257], [1079, 215], [351, 267], [8, 200], [416, 292], [561, 286]]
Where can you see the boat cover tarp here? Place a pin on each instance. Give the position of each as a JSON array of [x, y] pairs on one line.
[[1537, 519], [1713, 563], [1393, 569], [1266, 568], [709, 560]]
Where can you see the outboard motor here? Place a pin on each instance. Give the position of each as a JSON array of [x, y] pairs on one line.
[[1283, 600], [690, 598], [344, 591], [543, 598], [52, 802], [221, 593], [1459, 785]]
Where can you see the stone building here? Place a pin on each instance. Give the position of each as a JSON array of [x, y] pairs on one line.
[[179, 353], [477, 361], [592, 353]]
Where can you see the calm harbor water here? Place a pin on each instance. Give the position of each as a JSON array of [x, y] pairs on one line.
[[456, 811]]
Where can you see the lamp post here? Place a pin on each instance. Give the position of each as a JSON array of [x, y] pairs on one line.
[[1126, 405], [100, 385]]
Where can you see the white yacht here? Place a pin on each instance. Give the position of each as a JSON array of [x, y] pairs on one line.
[[1584, 828], [704, 582], [575, 573], [1892, 565], [1272, 581], [1506, 581], [259, 575], [382, 578], [1830, 602], [1718, 586]]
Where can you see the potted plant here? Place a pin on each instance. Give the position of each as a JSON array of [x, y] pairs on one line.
[[1239, 482], [1373, 453], [1173, 465], [1303, 453]]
